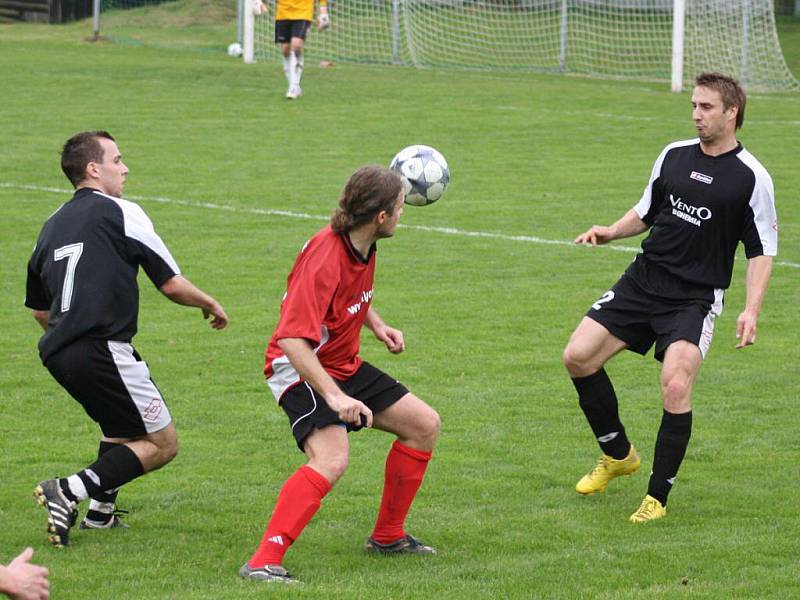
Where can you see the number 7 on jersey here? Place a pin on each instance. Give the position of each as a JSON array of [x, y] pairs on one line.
[[72, 253]]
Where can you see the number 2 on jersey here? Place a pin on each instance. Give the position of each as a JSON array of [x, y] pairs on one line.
[[72, 253], [607, 297]]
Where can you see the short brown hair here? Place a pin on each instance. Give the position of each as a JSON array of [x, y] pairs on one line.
[[369, 190], [730, 90], [79, 150]]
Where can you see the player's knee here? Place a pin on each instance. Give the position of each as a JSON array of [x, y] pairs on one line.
[[171, 451], [575, 361], [332, 466], [432, 425], [168, 448], [166, 453], [427, 424], [676, 392]]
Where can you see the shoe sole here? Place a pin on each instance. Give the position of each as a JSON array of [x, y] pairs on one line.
[[54, 538], [83, 525], [645, 520], [640, 521], [257, 576], [371, 549]]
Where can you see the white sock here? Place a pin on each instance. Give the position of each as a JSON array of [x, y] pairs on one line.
[[106, 508], [77, 488], [287, 68], [300, 65], [293, 81]]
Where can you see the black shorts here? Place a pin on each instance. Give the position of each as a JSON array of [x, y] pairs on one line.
[[639, 317], [307, 410], [113, 385], [286, 29]]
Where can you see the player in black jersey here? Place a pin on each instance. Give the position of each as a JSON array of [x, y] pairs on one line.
[[704, 196], [82, 290]]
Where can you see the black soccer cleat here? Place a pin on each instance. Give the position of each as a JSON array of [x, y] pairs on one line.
[[61, 513], [273, 573], [405, 545]]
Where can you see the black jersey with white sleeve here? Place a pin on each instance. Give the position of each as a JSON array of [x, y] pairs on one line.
[[699, 208], [84, 267]]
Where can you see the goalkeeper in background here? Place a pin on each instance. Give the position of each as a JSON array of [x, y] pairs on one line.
[[293, 19]]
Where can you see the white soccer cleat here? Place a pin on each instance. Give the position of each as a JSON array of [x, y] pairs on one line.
[[293, 93]]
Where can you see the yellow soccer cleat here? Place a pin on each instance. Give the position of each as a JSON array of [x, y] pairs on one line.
[[606, 469], [650, 510]]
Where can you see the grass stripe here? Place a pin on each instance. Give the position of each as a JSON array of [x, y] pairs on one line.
[[298, 215]]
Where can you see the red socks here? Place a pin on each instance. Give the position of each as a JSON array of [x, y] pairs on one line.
[[298, 502], [405, 468], [301, 495]]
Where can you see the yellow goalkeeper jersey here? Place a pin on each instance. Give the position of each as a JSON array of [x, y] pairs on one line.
[[296, 10]]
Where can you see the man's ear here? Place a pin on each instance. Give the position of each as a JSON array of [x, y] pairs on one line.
[[381, 217], [92, 171]]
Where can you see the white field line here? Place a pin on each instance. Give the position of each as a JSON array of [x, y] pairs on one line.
[[298, 215]]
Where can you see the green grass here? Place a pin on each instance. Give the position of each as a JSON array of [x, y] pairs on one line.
[[789, 35], [485, 321]]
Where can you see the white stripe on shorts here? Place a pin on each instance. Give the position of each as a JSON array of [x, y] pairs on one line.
[[708, 322], [309, 413], [145, 395]]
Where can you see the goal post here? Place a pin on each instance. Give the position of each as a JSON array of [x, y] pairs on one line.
[[656, 40], [678, 23], [248, 31]]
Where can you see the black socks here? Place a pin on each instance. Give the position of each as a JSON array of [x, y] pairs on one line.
[[599, 403], [671, 443]]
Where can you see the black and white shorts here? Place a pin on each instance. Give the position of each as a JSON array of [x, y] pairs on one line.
[[286, 29], [639, 318], [307, 410], [113, 385]]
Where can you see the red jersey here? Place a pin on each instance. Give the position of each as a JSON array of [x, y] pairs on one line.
[[328, 294]]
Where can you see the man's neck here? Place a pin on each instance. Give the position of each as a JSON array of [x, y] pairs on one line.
[[717, 147], [90, 185], [362, 239]]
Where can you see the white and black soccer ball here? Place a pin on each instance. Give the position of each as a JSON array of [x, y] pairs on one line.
[[235, 49], [424, 172]]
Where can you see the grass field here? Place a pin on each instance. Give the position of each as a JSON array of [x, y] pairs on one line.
[[485, 286]]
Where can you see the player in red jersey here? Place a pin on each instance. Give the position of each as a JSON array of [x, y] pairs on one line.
[[326, 389]]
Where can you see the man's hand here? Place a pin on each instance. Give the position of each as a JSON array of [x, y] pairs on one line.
[[393, 338], [323, 20], [628, 225], [219, 318], [23, 581], [349, 409], [746, 329], [182, 291], [598, 234]]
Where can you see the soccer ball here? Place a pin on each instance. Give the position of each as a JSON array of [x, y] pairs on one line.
[[235, 49], [424, 173]]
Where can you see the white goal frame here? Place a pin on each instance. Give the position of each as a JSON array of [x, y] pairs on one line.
[[737, 37]]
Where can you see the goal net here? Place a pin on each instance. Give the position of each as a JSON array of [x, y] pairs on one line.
[[196, 25], [606, 38]]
